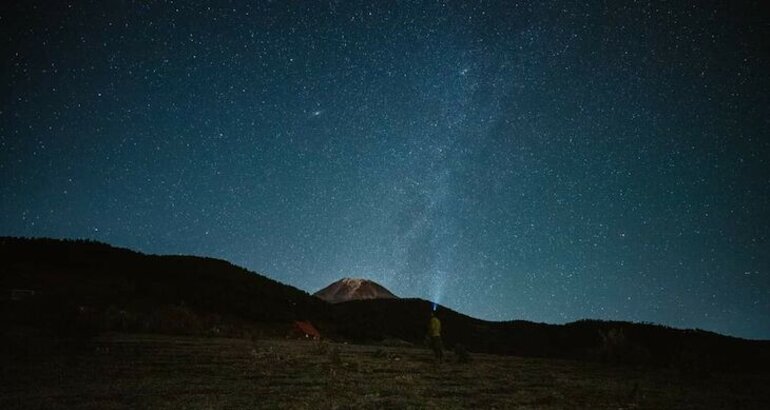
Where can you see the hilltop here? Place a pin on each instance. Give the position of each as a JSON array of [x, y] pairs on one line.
[[347, 289]]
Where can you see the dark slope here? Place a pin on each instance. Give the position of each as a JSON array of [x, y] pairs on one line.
[[83, 287], [608, 341], [96, 282]]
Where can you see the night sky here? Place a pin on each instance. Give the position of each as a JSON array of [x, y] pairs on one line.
[[511, 160]]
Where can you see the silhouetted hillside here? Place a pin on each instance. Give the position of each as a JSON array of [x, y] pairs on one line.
[[80, 287], [607, 341], [90, 284]]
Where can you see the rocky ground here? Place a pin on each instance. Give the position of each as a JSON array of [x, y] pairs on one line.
[[120, 371]]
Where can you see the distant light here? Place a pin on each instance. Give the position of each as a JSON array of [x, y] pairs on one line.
[[435, 306]]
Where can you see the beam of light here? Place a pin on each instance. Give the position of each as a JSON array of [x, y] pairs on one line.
[[437, 287]]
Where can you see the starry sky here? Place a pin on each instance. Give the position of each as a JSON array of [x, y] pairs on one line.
[[540, 160]]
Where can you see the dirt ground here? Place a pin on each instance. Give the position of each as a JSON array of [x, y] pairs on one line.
[[120, 371]]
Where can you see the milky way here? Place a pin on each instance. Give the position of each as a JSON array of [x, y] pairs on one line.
[[510, 160]]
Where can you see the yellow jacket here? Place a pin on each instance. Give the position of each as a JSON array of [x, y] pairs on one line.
[[434, 327]]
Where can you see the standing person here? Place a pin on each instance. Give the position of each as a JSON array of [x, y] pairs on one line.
[[434, 332]]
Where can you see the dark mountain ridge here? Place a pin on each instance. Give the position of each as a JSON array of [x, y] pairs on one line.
[[84, 286], [607, 341], [85, 281]]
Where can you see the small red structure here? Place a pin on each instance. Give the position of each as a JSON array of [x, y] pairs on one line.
[[305, 329]]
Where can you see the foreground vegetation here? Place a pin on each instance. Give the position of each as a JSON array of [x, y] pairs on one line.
[[122, 371]]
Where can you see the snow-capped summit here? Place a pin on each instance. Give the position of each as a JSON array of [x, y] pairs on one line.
[[352, 288]]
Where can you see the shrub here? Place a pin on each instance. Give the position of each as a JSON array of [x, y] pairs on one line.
[[320, 347], [462, 354], [616, 348]]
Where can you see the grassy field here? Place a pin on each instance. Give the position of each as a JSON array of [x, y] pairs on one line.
[[119, 371]]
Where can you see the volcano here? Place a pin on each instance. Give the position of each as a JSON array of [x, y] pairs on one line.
[[353, 289]]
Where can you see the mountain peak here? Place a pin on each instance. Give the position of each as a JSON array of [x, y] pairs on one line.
[[352, 289]]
